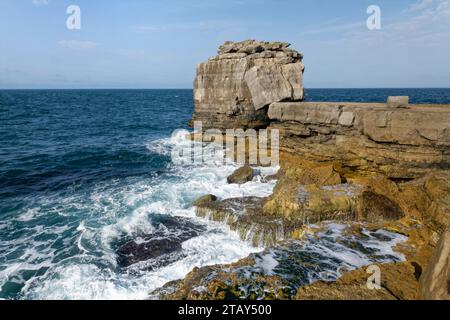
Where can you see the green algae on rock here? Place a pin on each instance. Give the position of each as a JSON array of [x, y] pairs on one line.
[[245, 216]]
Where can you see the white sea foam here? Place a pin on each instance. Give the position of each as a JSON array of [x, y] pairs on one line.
[[87, 281], [328, 245], [267, 263], [75, 258], [118, 210], [28, 215]]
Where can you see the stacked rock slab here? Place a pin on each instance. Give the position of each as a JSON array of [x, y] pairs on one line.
[[235, 88], [400, 142]]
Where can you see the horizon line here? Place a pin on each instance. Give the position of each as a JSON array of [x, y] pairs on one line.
[[313, 88]]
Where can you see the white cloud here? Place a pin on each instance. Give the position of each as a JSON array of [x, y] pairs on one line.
[[426, 22], [78, 45], [433, 10], [430, 17], [420, 5], [442, 11], [40, 2]]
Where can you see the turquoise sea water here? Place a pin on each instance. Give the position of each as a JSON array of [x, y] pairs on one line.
[[83, 171]]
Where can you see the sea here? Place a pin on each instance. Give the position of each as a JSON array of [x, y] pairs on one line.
[[84, 172]]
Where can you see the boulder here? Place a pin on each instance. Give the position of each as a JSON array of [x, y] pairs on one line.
[[133, 252], [204, 200], [398, 102], [161, 247], [241, 175], [235, 88]]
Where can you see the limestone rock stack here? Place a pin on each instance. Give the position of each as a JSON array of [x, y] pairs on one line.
[[235, 88]]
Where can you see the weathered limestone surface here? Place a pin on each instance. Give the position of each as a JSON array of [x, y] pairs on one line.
[[435, 283], [401, 143], [399, 282], [234, 89]]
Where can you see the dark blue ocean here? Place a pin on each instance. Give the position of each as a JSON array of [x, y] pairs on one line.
[[84, 171]]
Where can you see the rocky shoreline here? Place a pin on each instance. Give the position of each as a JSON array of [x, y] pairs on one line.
[[378, 171]]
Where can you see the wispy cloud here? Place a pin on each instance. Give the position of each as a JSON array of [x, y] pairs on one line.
[[78, 45], [419, 6], [430, 17], [424, 22], [434, 10], [443, 11], [426, 19], [198, 25], [40, 2]]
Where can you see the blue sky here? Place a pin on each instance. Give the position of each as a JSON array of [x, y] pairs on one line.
[[157, 44]]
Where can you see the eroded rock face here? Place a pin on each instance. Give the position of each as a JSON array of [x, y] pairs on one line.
[[376, 208], [310, 192], [435, 283], [234, 89], [245, 216], [367, 137]]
